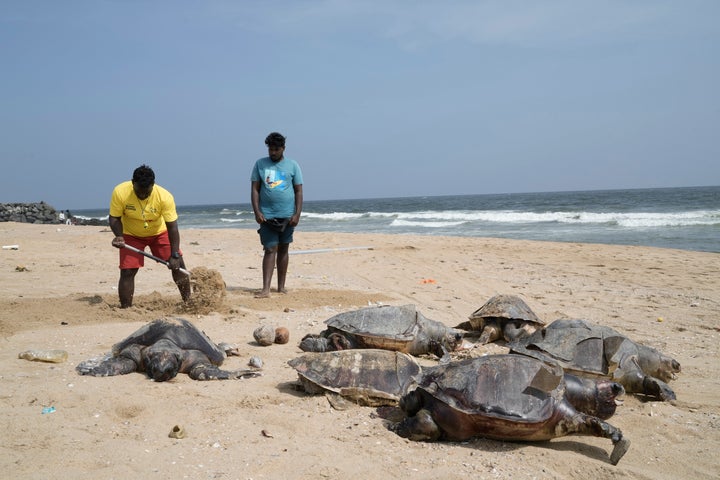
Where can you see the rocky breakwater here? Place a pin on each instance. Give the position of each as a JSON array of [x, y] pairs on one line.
[[41, 213], [29, 213]]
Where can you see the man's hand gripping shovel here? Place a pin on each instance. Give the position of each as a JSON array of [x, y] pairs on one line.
[[157, 259]]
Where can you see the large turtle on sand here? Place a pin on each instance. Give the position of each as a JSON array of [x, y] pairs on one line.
[[502, 397], [505, 317], [375, 377], [162, 349], [401, 329], [369, 377], [595, 350]]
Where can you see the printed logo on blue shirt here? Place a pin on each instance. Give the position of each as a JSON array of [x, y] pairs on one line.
[[275, 179]]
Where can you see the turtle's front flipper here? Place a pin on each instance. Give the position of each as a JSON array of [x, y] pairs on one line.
[[587, 424], [630, 375], [490, 333], [620, 448], [419, 427], [658, 389], [106, 366], [207, 371]]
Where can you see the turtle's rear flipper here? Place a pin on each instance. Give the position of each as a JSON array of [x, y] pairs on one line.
[[245, 373], [206, 371]]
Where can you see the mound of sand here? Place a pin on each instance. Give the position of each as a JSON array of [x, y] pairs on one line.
[[208, 289]]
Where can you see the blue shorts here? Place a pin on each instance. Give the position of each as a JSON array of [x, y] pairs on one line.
[[271, 238]]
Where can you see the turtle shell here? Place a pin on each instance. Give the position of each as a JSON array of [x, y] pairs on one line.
[[505, 317], [385, 327], [510, 387], [580, 346], [379, 327], [510, 307], [179, 331], [504, 397], [575, 344], [369, 376]]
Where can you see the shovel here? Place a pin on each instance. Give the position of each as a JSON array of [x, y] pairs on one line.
[[157, 259]]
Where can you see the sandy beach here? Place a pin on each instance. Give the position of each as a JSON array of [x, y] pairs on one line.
[[59, 292]]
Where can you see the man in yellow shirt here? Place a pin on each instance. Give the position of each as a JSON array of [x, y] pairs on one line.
[[143, 214]]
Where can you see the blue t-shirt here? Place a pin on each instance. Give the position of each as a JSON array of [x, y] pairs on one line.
[[277, 195]]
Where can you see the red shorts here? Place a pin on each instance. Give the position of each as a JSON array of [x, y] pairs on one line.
[[159, 246]]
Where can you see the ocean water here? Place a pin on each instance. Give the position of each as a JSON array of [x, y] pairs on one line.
[[682, 218]]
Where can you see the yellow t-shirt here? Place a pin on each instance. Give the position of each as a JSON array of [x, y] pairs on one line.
[[142, 218]]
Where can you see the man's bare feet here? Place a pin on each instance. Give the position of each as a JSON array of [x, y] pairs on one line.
[[282, 290], [262, 294]]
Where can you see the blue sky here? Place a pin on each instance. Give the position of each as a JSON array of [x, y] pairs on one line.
[[377, 98]]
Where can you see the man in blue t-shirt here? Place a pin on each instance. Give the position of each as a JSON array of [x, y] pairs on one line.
[[277, 198]]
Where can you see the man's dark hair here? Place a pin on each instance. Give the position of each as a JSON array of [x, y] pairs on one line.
[[275, 140], [144, 176]]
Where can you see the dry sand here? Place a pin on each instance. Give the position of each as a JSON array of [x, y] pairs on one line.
[[59, 292]]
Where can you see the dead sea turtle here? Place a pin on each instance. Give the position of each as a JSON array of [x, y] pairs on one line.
[[386, 327], [595, 350], [503, 316], [162, 349], [368, 377], [503, 397], [375, 377]]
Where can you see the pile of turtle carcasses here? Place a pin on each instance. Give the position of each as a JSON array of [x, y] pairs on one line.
[[558, 379]]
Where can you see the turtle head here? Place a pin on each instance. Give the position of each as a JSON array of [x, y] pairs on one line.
[[162, 365], [667, 369], [453, 340], [340, 342], [314, 343], [657, 364], [608, 398], [675, 365], [598, 398], [449, 342]]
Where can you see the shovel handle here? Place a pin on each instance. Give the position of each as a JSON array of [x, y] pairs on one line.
[[157, 259]]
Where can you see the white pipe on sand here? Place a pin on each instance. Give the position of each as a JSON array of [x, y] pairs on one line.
[[325, 250]]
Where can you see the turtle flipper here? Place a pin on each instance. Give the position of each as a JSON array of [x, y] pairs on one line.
[[657, 388], [247, 373], [631, 376], [619, 449], [419, 427], [207, 371], [490, 333], [594, 426], [106, 366]]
